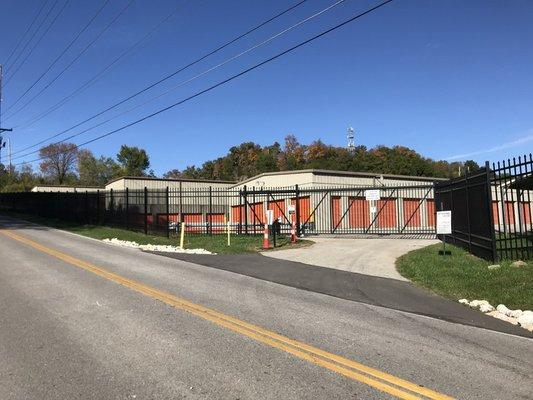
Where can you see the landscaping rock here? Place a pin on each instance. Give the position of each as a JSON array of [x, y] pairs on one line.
[[155, 247], [477, 303], [485, 308], [502, 309], [494, 266], [519, 264], [526, 318], [463, 301]]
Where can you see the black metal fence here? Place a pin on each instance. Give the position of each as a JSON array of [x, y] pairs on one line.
[[399, 210], [491, 209]]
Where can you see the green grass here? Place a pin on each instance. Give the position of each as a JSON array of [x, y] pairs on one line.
[[462, 275], [214, 243]]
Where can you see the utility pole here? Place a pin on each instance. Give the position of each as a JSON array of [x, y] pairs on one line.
[[2, 130]]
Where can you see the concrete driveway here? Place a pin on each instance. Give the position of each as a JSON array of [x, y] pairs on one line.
[[373, 256]]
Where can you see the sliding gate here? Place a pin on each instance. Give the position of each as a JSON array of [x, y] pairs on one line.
[[399, 210]]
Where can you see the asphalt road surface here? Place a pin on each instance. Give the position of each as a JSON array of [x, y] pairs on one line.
[[80, 319]]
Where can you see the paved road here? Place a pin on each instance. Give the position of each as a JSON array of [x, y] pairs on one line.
[[80, 319], [375, 257]]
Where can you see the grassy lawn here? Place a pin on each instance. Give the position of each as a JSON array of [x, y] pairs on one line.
[[462, 275], [214, 243]]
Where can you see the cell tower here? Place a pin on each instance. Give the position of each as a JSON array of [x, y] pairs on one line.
[[351, 141]]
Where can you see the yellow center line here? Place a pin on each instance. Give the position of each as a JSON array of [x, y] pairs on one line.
[[359, 372]]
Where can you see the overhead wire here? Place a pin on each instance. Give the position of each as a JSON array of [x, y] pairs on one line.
[[231, 78], [45, 32], [128, 52], [169, 76], [6, 62], [242, 53], [78, 56], [61, 54]]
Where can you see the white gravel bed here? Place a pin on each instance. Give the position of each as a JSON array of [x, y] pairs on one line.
[[155, 247], [515, 317]]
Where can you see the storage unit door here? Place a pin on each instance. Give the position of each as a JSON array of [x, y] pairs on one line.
[[525, 210], [387, 216], [359, 213], [411, 212], [278, 208], [430, 209], [336, 211], [194, 222], [509, 212], [217, 222]]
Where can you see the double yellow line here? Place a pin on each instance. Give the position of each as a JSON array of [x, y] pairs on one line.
[[351, 369]]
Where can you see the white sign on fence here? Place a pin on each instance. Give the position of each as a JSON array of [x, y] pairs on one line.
[[444, 222], [292, 208], [372, 194], [270, 216]]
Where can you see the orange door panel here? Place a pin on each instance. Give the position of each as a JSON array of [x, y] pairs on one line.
[[359, 213], [495, 213], [237, 214], [336, 210], [411, 212], [278, 208], [304, 204], [387, 216], [217, 221], [430, 208], [509, 212], [194, 222]]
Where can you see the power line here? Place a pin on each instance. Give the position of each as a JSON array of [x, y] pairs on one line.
[[231, 78], [61, 54], [242, 53], [181, 69], [31, 38], [100, 74], [25, 33], [112, 22], [50, 25]]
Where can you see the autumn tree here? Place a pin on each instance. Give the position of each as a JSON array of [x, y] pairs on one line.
[[58, 161]]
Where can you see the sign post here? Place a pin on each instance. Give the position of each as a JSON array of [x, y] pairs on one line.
[[444, 227]]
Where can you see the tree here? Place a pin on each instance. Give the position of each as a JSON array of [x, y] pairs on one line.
[[134, 161], [94, 171], [470, 166], [58, 161]]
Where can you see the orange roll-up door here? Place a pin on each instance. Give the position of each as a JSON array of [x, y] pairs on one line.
[[359, 213], [336, 210], [387, 216], [411, 212], [278, 208], [194, 222], [430, 208]]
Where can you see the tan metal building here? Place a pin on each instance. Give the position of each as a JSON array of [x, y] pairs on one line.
[[318, 177], [65, 189], [139, 183]]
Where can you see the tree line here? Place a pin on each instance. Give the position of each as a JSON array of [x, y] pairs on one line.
[[66, 164], [249, 159]]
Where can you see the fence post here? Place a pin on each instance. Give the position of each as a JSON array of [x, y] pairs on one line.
[[127, 208], [111, 206], [210, 218], [168, 213], [86, 207], [145, 210], [491, 216], [468, 213], [98, 207], [245, 212], [297, 193]]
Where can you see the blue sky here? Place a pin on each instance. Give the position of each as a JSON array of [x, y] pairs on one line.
[[450, 79]]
